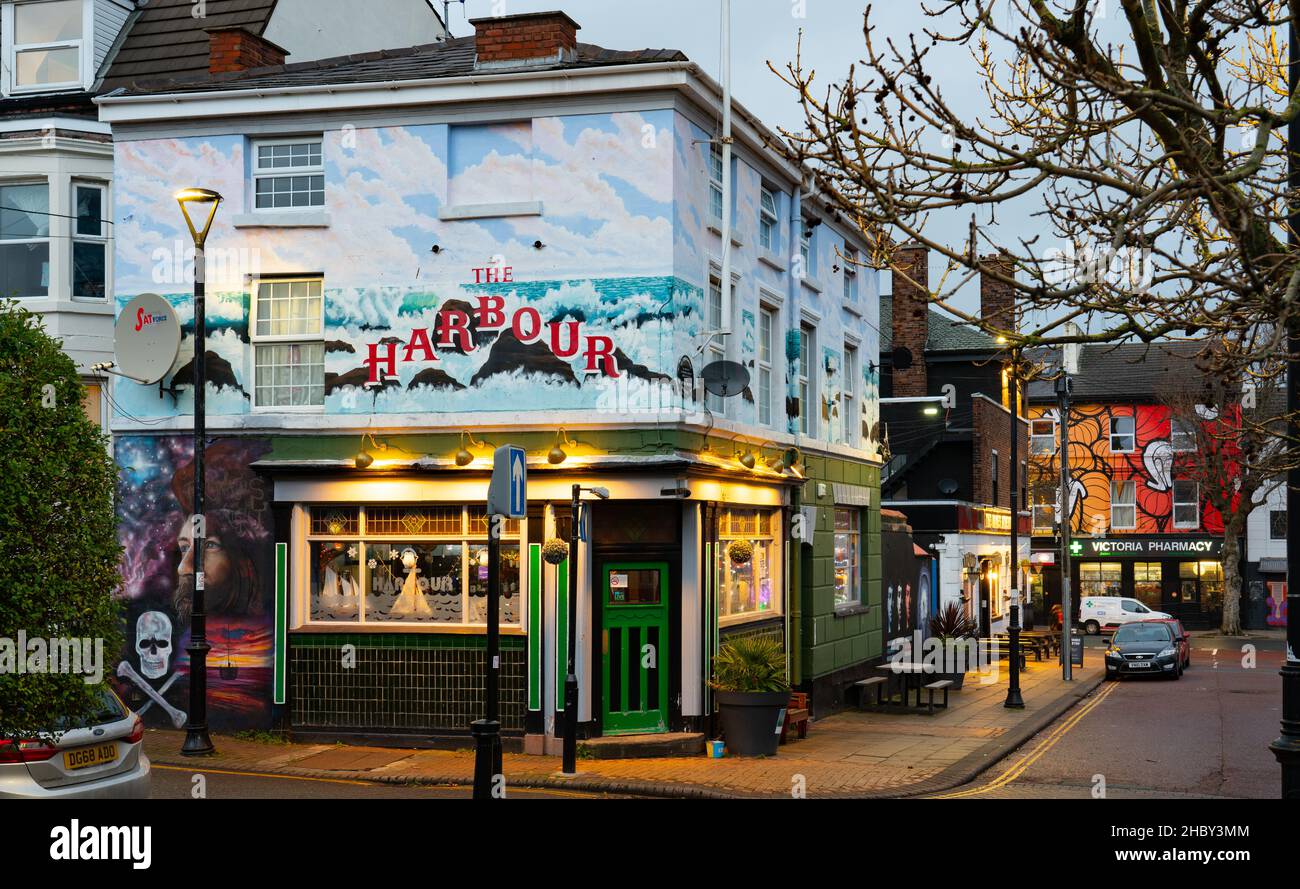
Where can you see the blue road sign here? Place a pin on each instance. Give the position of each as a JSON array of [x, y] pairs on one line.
[[508, 492]]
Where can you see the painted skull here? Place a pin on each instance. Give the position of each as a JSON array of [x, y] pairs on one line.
[[153, 642]]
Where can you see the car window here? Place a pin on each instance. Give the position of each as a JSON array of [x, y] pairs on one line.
[[1143, 633], [107, 708], [1133, 606]]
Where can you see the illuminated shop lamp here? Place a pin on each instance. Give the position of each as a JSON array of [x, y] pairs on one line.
[[364, 458], [747, 459], [464, 456], [557, 454], [931, 411]]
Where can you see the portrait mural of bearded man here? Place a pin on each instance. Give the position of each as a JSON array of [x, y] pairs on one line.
[[155, 516]]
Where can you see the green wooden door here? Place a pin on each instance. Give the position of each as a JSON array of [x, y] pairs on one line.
[[634, 647]]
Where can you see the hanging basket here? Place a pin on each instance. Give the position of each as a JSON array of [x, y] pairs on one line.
[[740, 552], [555, 551]]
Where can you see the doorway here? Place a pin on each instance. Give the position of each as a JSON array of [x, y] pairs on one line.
[[635, 647]]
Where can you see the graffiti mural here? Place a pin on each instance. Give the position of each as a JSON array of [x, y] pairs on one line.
[[155, 526], [1145, 457]]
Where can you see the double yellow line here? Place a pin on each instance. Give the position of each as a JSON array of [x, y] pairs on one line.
[[1048, 743]]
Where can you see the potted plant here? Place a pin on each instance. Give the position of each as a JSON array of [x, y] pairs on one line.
[[951, 624], [752, 692]]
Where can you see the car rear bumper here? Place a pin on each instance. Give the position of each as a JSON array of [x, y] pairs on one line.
[[133, 784]]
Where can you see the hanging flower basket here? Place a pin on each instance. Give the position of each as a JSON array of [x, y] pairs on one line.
[[740, 551], [555, 551]]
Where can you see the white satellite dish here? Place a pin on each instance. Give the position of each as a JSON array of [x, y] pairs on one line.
[[147, 338]]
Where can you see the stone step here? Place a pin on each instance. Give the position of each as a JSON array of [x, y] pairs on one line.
[[640, 746]]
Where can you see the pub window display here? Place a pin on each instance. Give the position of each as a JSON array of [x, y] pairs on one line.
[[422, 565], [749, 587]]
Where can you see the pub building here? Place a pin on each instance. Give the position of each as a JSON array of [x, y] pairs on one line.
[[449, 261]]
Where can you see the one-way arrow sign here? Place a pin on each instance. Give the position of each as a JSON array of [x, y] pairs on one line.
[[508, 492]]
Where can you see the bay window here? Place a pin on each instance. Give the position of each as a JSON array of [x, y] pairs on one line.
[[407, 564], [25, 239], [289, 344], [751, 588], [89, 241]]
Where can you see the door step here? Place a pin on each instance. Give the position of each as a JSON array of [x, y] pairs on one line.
[[640, 746]]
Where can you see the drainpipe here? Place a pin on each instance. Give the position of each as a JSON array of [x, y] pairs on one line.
[[794, 614]]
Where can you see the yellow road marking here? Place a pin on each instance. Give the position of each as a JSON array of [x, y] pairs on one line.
[[1048, 743]]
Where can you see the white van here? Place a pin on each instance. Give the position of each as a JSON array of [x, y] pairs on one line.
[[1098, 613]]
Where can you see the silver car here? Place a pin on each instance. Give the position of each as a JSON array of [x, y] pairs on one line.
[[102, 760]]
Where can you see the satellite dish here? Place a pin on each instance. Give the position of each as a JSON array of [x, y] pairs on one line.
[[947, 486], [147, 338], [725, 378], [902, 358]]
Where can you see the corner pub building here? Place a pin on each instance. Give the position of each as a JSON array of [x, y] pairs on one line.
[[418, 261]]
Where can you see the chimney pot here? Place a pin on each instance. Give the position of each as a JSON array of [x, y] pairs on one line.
[[238, 49], [525, 39]]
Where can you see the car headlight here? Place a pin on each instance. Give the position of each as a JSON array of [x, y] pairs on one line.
[[1168, 652], [1113, 652]]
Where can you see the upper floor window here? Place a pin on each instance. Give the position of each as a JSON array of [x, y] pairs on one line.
[[1182, 435], [25, 239], [767, 220], [717, 351], [993, 475], [1123, 505], [849, 400], [1042, 437], [806, 378], [1123, 435], [1187, 504], [89, 241], [766, 330], [289, 344], [850, 274], [715, 181], [805, 249], [47, 45], [288, 174]]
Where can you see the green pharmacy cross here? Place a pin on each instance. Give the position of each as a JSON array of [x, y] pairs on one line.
[[1076, 548]]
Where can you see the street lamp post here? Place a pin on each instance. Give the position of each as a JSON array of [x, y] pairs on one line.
[[569, 765], [1014, 701], [197, 742], [1064, 389]]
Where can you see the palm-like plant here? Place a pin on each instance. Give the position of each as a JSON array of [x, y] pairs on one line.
[[952, 623], [750, 664]]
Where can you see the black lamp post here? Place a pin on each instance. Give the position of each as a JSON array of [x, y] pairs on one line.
[[569, 766], [197, 742], [1014, 701]]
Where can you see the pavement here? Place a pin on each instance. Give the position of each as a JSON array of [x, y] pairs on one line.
[[854, 754]]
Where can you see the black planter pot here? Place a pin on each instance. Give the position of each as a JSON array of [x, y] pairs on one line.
[[750, 720]]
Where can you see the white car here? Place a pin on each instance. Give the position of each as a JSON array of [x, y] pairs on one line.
[[102, 758], [1098, 613]]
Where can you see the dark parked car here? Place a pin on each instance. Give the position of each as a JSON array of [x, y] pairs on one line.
[[1144, 647], [1181, 637]]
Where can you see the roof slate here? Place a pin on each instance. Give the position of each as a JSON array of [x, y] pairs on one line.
[[1123, 372], [946, 334]]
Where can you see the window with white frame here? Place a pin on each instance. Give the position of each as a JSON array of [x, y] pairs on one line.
[[717, 350], [1123, 505], [289, 344], [1042, 437], [848, 396], [850, 274], [1182, 435], [89, 241], [806, 377], [25, 239], [1123, 435], [751, 588], [715, 181], [767, 220], [407, 564], [848, 556], [288, 174], [805, 248], [1187, 504], [46, 45], [766, 332], [1043, 507]]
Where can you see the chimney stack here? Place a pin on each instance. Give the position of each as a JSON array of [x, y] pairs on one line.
[[997, 299], [532, 38], [238, 49], [911, 316]]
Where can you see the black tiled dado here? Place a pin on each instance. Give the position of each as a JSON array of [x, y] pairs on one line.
[[401, 682]]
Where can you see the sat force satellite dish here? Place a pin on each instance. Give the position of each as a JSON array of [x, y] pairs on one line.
[[725, 378], [147, 338]]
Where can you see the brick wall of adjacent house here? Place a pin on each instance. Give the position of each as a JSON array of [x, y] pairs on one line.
[[997, 298], [911, 317], [517, 38], [236, 49], [992, 432]]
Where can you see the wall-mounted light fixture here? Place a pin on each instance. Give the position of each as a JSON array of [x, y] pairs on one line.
[[364, 458], [557, 454], [464, 456]]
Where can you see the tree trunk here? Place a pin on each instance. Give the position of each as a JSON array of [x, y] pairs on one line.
[[1231, 625]]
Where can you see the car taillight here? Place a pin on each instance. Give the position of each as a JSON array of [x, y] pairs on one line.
[[26, 751], [137, 732]]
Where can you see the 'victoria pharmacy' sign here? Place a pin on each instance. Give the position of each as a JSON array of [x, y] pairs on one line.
[[1205, 548]]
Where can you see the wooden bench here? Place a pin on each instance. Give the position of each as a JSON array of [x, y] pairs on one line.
[[939, 685], [796, 714], [879, 682], [1002, 649], [1038, 646]]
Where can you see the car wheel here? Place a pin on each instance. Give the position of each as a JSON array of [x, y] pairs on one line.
[[1092, 628]]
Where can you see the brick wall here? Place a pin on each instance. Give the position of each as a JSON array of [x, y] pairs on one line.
[[519, 38], [911, 316], [236, 49], [992, 432], [997, 299]]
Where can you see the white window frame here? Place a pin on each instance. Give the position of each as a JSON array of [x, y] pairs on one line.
[[258, 172], [850, 274], [768, 221], [10, 49], [1041, 503], [715, 182], [102, 239], [1117, 488], [467, 538], [854, 535], [1036, 438], [256, 340], [1130, 435], [995, 478], [1194, 504], [807, 378], [777, 566], [766, 364], [717, 350], [1187, 436], [806, 235], [48, 240], [849, 396]]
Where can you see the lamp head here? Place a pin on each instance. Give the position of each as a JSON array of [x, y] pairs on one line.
[[464, 457], [602, 493], [363, 460], [556, 456], [198, 197]]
